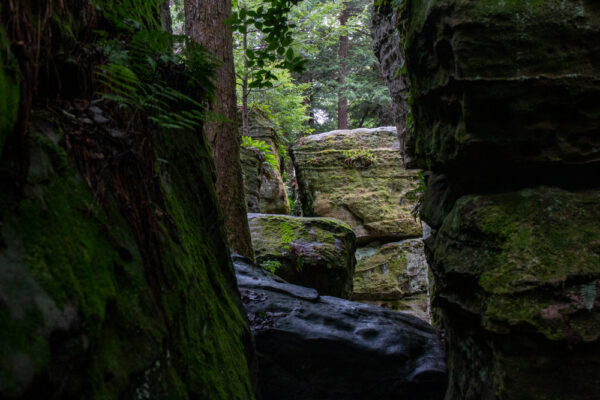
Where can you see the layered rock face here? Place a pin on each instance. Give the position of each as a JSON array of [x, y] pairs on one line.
[[312, 252], [358, 177], [505, 99], [264, 187], [387, 46], [319, 347]]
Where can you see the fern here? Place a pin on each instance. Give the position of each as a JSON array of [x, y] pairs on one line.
[[133, 75], [271, 265], [261, 147]]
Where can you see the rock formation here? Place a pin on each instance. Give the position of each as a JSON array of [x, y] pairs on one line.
[[393, 276], [319, 347], [358, 177], [115, 277], [264, 187], [313, 252], [504, 102]]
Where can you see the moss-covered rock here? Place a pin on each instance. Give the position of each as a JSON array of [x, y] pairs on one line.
[[82, 312], [312, 252], [9, 90], [263, 184], [501, 84], [357, 176], [393, 275], [516, 268]]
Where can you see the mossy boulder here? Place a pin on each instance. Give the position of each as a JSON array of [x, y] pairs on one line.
[[263, 183], [394, 276], [357, 176], [514, 269], [312, 252]]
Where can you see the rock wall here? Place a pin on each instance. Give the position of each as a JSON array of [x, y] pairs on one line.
[[264, 187], [505, 99], [358, 176], [115, 278], [387, 46]]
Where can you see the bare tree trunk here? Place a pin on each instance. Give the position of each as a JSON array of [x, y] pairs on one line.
[[245, 127], [205, 23], [165, 16], [342, 56]]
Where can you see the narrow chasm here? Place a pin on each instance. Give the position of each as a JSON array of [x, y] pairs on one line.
[[299, 199]]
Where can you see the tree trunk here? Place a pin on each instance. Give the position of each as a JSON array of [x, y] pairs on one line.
[[245, 127], [165, 16], [205, 23], [342, 57]]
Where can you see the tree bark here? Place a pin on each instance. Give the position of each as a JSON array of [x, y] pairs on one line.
[[245, 126], [342, 57], [165, 16], [205, 23]]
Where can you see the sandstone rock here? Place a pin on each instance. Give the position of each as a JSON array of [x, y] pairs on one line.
[[313, 252], [503, 84], [319, 347], [387, 45], [357, 176], [252, 170], [505, 97], [264, 187], [516, 282], [393, 275]]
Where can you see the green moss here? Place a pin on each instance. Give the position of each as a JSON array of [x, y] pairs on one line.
[[62, 233], [76, 254], [58, 155], [528, 251], [313, 252], [9, 90], [183, 337], [210, 334]]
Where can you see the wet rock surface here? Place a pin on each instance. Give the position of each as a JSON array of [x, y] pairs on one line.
[[319, 347], [313, 252]]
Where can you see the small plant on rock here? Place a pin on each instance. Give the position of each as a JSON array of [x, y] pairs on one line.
[[362, 158], [271, 265], [261, 148]]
